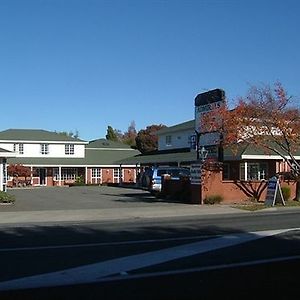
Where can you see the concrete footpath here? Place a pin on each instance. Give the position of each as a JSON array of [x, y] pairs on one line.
[[109, 214]]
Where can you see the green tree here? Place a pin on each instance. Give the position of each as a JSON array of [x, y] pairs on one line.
[[111, 134], [147, 140], [70, 134]]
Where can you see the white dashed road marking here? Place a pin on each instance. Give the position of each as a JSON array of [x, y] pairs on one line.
[[97, 271]]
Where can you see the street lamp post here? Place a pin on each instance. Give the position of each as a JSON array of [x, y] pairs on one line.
[[203, 154]]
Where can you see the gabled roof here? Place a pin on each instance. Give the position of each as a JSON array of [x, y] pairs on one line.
[[36, 135], [107, 144], [188, 125]]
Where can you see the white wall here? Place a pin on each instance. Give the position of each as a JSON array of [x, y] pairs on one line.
[[180, 139], [55, 150], [6, 146]]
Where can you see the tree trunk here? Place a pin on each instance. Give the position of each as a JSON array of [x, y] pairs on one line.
[[297, 196]]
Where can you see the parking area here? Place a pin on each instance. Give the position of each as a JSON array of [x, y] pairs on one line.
[[56, 205], [78, 198]]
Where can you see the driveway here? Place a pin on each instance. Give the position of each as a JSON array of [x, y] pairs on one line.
[[78, 198], [86, 204]]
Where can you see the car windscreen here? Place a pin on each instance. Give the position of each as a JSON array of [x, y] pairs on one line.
[[174, 172]]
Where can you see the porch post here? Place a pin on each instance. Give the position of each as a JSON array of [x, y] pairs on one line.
[[120, 175], [31, 177], [246, 169], [59, 176], [86, 175], [1, 175]]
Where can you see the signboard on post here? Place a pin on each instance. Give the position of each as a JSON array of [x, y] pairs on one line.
[[274, 193], [195, 174], [207, 102]]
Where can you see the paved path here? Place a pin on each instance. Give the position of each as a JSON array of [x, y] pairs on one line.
[[111, 214]]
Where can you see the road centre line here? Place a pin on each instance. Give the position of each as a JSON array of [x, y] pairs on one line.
[[122, 243], [97, 271], [128, 276]]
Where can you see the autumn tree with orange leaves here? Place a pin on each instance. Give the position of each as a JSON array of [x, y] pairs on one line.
[[17, 170], [264, 118]]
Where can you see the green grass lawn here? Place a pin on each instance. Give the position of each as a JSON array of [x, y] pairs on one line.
[[258, 206]]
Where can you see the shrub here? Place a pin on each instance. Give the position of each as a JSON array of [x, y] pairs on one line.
[[213, 199], [286, 193], [79, 180], [6, 198]]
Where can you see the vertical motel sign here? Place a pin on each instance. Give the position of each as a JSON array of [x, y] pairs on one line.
[[205, 103]]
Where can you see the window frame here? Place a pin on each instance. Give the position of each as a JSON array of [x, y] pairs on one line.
[[45, 149], [246, 171], [18, 148], [69, 149], [96, 173], [168, 140]]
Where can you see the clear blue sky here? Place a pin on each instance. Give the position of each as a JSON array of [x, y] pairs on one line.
[[69, 65]]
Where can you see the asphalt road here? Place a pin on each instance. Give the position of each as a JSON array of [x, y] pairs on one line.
[[174, 258]]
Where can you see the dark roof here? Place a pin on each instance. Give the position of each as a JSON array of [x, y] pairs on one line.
[[236, 152], [162, 158], [35, 135], [179, 127], [107, 144]]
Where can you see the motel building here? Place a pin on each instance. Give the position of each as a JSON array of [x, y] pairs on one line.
[[234, 173], [55, 159]]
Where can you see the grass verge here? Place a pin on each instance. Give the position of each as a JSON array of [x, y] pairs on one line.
[[259, 206]]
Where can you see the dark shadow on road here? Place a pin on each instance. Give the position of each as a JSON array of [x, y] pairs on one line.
[[141, 197], [32, 260]]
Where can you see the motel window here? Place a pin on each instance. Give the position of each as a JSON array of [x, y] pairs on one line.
[[69, 149], [4, 172], [19, 148], [44, 149], [168, 140], [117, 174], [96, 173], [55, 173], [255, 171], [66, 173], [193, 141]]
